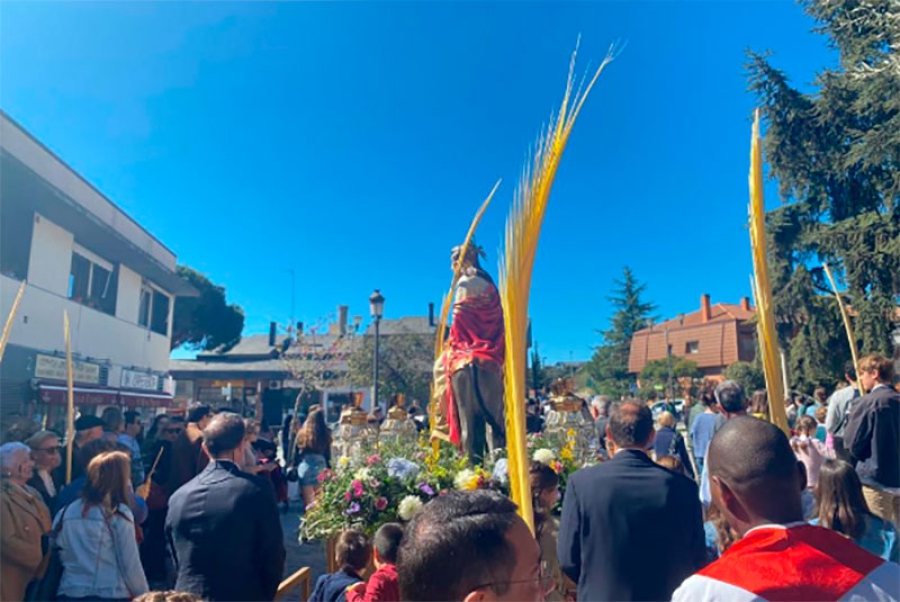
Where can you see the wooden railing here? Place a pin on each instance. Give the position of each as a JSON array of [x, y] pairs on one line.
[[301, 578]]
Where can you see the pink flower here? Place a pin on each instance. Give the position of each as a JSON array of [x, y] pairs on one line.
[[373, 460], [381, 503], [325, 475], [348, 496], [357, 487]]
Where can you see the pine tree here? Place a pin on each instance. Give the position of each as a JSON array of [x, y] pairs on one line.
[[836, 156], [608, 368]]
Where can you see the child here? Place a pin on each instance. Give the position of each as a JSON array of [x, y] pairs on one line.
[[809, 450], [383, 585], [352, 551], [842, 508]]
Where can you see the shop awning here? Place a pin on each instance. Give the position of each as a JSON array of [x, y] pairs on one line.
[[145, 399], [57, 395], [97, 396]]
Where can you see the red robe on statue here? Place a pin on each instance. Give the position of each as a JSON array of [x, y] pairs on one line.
[[476, 334]]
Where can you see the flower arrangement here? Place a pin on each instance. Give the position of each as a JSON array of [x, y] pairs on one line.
[[389, 486]]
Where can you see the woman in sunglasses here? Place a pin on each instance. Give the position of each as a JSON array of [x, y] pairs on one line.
[[47, 456]]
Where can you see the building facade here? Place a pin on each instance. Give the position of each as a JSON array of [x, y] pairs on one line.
[[79, 254], [714, 337]]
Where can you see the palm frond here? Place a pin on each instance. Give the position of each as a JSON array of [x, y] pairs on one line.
[[523, 230]]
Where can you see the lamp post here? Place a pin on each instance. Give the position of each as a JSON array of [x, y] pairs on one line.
[[376, 309]]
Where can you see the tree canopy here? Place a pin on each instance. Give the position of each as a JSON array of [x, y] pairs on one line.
[[206, 322], [405, 365], [836, 156], [608, 368]]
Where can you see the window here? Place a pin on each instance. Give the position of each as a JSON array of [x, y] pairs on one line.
[[79, 278], [93, 284], [144, 309], [692, 347], [159, 322]]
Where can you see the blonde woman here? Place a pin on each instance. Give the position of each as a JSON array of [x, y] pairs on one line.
[[24, 518], [669, 442]]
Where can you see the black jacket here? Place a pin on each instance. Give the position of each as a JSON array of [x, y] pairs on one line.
[[873, 435], [630, 530], [38, 483], [225, 534]]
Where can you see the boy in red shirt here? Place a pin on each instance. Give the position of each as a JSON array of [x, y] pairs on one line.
[[383, 585]]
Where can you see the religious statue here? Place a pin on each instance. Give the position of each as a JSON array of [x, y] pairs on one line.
[[355, 435], [469, 372], [567, 422]]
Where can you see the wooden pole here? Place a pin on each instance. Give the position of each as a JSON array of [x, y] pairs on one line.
[[70, 427], [7, 328], [850, 338]]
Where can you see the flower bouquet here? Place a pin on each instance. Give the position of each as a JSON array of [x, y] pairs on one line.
[[388, 486]]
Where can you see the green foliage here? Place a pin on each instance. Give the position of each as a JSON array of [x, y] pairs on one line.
[[405, 365], [836, 156], [655, 374], [608, 368], [206, 322], [746, 374]]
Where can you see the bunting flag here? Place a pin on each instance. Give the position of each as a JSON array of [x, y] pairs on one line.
[[762, 288], [523, 229]]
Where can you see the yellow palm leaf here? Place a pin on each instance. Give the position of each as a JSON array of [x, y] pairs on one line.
[[523, 229], [762, 289]]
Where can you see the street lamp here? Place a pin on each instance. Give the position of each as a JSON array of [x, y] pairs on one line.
[[376, 310]]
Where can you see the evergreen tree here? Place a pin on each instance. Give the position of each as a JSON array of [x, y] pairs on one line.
[[608, 368], [536, 371], [836, 156]]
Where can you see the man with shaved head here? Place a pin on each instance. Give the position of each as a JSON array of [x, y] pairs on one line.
[[755, 482], [627, 512]]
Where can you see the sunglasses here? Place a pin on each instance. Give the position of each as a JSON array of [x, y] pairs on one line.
[[175, 431], [50, 450]]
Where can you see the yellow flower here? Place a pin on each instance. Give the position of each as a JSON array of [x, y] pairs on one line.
[[566, 453], [344, 461]]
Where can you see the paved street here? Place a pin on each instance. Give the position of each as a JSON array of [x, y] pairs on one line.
[[298, 556]]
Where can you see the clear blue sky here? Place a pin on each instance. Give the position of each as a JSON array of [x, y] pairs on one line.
[[353, 141]]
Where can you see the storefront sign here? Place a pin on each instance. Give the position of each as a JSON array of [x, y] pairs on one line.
[[54, 368], [57, 395], [139, 380]]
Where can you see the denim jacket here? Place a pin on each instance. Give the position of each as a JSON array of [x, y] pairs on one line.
[[99, 554]]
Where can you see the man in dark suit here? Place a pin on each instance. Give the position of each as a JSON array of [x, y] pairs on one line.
[[630, 529], [873, 437], [223, 525]]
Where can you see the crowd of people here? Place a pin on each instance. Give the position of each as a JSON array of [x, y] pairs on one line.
[[717, 504]]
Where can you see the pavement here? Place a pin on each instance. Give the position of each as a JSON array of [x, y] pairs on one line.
[[311, 554]]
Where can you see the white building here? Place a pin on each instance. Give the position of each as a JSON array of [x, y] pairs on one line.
[[81, 254]]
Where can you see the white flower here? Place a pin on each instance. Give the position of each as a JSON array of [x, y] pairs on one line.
[[401, 468], [500, 472], [464, 478], [362, 474], [544, 456], [408, 507]]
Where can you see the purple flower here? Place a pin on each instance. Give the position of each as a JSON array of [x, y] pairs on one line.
[[353, 509], [426, 489], [381, 503]]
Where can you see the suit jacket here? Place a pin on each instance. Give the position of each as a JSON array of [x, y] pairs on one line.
[[872, 436], [630, 530], [224, 530], [24, 519], [188, 458], [37, 483]]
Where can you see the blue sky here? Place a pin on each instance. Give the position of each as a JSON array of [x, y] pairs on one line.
[[353, 141]]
